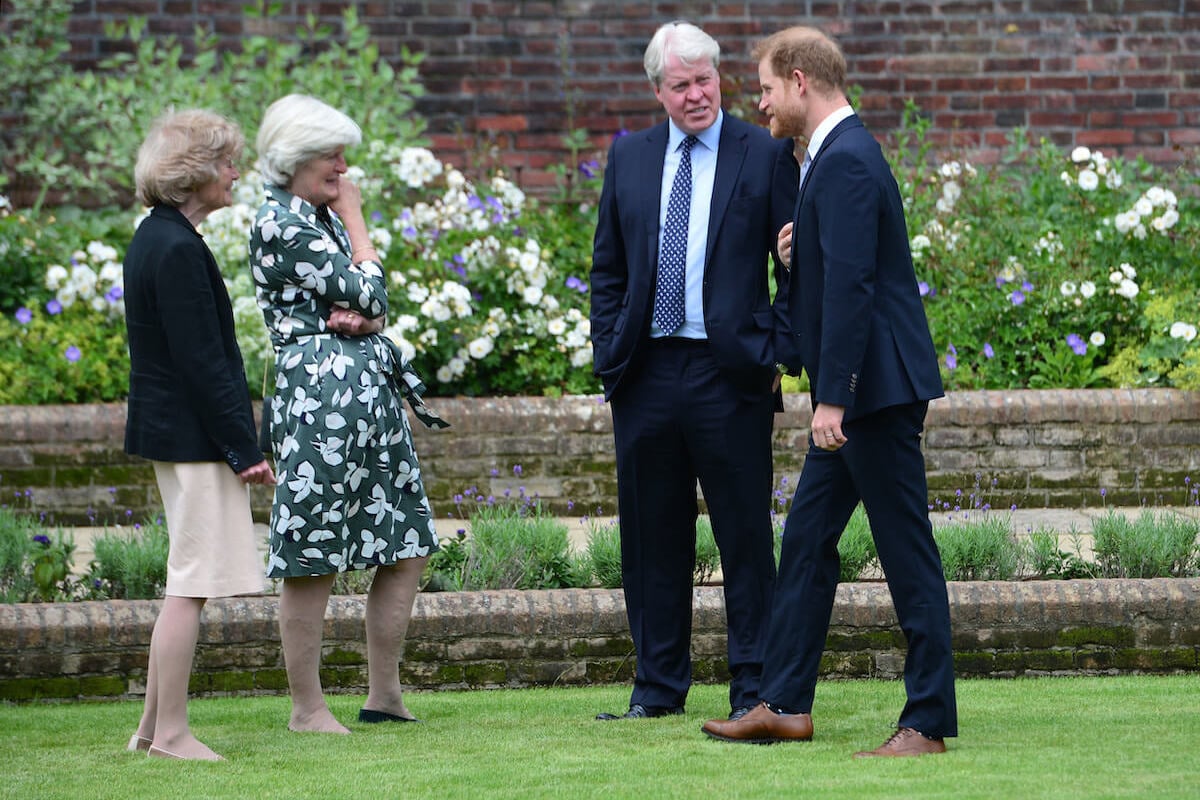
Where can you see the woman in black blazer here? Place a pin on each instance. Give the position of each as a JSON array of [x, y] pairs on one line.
[[189, 407]]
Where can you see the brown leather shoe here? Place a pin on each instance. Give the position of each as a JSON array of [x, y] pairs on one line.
[[761, 726], [905, 742]]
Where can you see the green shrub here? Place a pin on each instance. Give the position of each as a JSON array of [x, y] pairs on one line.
[[511, 548], [1044, 557], [708, 556], [856, 548], [604, 553], [980, 549], [33, 565], [130, 564], [1161, 545]]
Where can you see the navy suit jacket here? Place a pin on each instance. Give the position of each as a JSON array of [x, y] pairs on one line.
[[188, 399], [855, 319], [754, 193]]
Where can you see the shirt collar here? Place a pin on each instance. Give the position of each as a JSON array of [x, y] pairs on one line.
[[826, 126], [710, 137]]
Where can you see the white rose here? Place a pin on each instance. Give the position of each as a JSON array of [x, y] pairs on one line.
[[1087, 288], [1081, 154], [479, 348], [1088, 180], [1097, 339]]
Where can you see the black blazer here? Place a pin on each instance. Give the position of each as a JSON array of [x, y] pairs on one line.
[[188, 399], [754, 193], [856, 323]]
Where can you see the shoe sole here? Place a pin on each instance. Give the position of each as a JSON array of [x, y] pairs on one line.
[[769, 740]]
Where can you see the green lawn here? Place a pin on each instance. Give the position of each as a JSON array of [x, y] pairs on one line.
[[1051, 737]]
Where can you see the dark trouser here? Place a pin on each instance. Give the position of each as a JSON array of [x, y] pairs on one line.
[[881, 465], [676, 421]]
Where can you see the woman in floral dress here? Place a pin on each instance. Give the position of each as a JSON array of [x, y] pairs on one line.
[[349, 494]]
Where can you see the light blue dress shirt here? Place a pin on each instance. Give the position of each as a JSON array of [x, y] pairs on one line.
[[704, 170]]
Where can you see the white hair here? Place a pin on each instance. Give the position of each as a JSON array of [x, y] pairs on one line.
[[296, 129], [684, 40]]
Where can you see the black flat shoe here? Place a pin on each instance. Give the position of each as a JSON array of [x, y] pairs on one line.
[[639, 711], [367, 715], [738, 713]]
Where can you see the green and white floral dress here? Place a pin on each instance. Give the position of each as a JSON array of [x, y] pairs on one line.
[[349, 492]]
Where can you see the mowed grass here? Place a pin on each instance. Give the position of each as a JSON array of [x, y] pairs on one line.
[[1027, 738]]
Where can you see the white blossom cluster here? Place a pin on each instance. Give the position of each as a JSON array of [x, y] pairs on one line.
[[951, 173], [94, 277], [934, 232], [1090, 167], [1183, 330], [1123, 281], [1157, 206], [5, 206]]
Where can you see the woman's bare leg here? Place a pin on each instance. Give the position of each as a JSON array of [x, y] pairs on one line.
[[389, 608], [172, 650], [302, 604]]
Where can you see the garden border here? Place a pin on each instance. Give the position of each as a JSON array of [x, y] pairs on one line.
[[1030, 448], [491, 639]]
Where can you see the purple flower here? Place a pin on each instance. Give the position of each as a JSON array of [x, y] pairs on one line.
[[72, 354], [577, 284], [988, 352], [474, 203], [589, 169], [517, 470], [1000, 281], [923, 288], [1026, 286], [1077, 344], [114, 294], [42, 539], [951, 361], [620, 133], [1017, 297], [54, 307], [376, 216], [24, 315]]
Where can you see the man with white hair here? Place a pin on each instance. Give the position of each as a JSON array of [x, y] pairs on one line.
[[683, 336]]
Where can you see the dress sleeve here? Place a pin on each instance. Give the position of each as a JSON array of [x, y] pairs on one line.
[[300, 260]]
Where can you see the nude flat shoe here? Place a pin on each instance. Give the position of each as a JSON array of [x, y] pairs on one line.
[[138, 744]]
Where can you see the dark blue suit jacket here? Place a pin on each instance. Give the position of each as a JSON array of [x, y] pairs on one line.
[[188, 399], [754, 193], [850, 256]]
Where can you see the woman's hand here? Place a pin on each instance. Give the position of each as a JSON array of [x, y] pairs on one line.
[[260, 473], [352, 323], [349, 199]]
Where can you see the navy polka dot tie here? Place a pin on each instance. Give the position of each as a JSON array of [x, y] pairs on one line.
[[672, 259]]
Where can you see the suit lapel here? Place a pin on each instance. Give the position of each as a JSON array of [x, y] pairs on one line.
[[731, 154], [649, 174], [838, 130]]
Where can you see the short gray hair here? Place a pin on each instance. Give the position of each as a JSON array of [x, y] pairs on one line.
[[684, 40], [181, 153], [296, 129]]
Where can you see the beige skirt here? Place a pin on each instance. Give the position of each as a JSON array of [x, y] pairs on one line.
[[214, 550]]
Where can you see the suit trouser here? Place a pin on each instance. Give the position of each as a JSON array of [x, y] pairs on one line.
[[679, 419], [881, 465]]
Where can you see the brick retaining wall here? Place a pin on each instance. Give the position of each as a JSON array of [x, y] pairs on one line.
[[98, 650], [510, 77], [1034, 449]]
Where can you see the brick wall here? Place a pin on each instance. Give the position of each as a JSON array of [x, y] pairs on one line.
[[467, 640], [515, 75], [1035, 449]]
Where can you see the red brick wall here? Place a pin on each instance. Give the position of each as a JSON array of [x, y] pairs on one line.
[[1122, 75]]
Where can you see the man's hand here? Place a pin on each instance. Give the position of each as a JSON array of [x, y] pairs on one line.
[[783, 245], [352, 323], [826, 430], [260, 473]]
